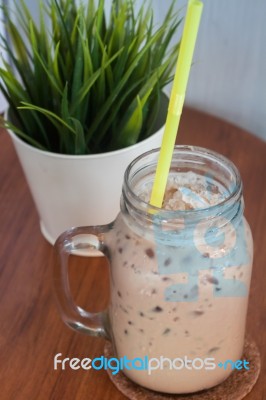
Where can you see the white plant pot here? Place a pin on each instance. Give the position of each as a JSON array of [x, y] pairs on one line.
[[77, 190]]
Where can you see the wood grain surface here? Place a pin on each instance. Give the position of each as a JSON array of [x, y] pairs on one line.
[[31, 330]]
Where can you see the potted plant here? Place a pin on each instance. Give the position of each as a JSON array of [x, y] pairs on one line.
[[85, 95]]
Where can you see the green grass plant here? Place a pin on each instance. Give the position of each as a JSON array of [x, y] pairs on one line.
[[84, 80]]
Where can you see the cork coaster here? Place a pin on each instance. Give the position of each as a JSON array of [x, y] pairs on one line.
[[235, 387]]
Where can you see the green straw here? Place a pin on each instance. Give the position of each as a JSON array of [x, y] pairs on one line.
[[177, 98]]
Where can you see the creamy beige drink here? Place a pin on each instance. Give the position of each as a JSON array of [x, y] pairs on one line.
[[179, 275], [174, 299]]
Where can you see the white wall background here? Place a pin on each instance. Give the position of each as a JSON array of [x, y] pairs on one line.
[[228, 78]]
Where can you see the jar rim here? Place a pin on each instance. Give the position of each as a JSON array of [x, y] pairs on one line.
[[232, 197]]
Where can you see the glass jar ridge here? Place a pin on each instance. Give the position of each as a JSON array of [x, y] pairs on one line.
[[213, 167]]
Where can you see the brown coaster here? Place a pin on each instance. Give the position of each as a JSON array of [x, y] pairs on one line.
[[236, 387]]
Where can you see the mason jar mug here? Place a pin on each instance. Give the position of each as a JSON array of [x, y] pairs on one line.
[[179, 278]]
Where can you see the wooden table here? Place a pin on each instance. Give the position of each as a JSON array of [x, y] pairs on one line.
[[31, 330]]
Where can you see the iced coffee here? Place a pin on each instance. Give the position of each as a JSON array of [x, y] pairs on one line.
[[179, 275], [179, 284]]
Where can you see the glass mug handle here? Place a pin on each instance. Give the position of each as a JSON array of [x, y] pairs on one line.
[[78, 241]]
